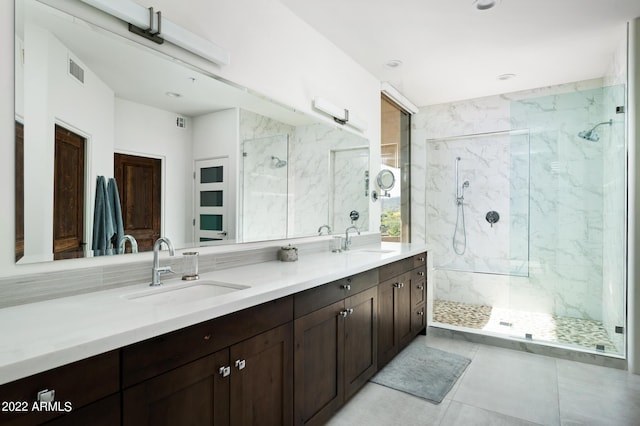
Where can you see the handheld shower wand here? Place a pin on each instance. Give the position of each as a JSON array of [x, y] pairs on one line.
[[460, 212]]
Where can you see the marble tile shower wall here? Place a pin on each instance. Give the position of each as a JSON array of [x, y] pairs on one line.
[[310, 191], [562, 252], [264, 198], [566, 194], [299, 205], [268, 221], [498, 177]]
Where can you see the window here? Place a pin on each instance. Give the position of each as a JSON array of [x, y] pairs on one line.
[[395, 221]]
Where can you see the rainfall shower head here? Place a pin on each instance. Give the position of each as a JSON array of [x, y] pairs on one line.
[[591, 134], [278, 163]]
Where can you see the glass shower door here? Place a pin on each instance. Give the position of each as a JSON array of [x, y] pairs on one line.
[[264, 188], [578, 185]]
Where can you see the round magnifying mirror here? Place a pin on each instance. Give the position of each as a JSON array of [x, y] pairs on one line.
[[386, 179]]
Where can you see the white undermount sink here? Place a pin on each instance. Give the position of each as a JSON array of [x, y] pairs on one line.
[[183, 292]]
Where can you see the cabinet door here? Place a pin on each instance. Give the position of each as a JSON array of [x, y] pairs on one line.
[[105, 412], [394, 317], [403, 310], [360, 340], [262, 379], [386, 323], [319, 350], [194, 394]]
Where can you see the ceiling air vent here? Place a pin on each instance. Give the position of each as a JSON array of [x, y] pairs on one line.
[[181, 122], [76, 71]]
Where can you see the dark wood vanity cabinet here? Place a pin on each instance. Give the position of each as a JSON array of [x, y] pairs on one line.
[[335, 345], [248, 383], [248, 380], [87, 389], [401, 305], [294, 360]]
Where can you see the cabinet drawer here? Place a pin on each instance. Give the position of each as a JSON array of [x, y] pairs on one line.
[[155, 356], [420, 260], [418, 319], [326, 294], [77, 384], [418, 286], [396, 268]]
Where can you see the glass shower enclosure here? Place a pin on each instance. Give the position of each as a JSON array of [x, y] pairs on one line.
[[530, 224]]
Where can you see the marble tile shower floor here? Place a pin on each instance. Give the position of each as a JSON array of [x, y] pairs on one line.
[[542, 327]]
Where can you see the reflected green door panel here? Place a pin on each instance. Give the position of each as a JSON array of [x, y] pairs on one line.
[[212, 174], [211, 222], [211, 198]]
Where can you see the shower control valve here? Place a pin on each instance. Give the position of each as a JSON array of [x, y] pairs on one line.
[[492, 217]]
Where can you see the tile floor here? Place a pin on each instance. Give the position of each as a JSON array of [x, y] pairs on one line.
[[543, 327], [506, 387]]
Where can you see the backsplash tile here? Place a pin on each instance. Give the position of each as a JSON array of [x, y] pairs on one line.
[[38, 287]]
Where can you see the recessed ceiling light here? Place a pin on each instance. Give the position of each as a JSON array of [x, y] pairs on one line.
[[394, 63], [173, 95], [485, 4], [506, 76]]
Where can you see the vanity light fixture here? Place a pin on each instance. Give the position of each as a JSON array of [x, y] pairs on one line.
[[339, 115], [398, 98], [155, 27]]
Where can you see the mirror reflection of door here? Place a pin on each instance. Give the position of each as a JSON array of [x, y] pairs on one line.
[[211, 200], [68, 194], [139, 181], [19, 194]]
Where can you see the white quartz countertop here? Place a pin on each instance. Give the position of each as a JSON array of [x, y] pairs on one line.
[[40, 336]]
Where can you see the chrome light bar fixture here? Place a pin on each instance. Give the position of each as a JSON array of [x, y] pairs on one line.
[[153, 26], [339, 115]]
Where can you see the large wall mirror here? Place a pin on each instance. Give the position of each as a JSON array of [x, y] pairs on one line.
[[117, 144]]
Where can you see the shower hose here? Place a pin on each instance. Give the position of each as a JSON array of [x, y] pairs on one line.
[[460, 212]]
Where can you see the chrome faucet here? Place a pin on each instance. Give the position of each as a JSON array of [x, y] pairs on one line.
[[322, 227], [347, 240], [123, 241], [157, 269]]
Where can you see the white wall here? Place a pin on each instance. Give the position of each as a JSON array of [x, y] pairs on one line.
[[150, 132], [272, 52], [51, 96]]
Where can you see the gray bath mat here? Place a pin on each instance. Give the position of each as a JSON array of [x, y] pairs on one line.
[[422, 371]]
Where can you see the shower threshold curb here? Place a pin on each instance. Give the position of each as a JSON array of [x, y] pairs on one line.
[[587, 357]]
